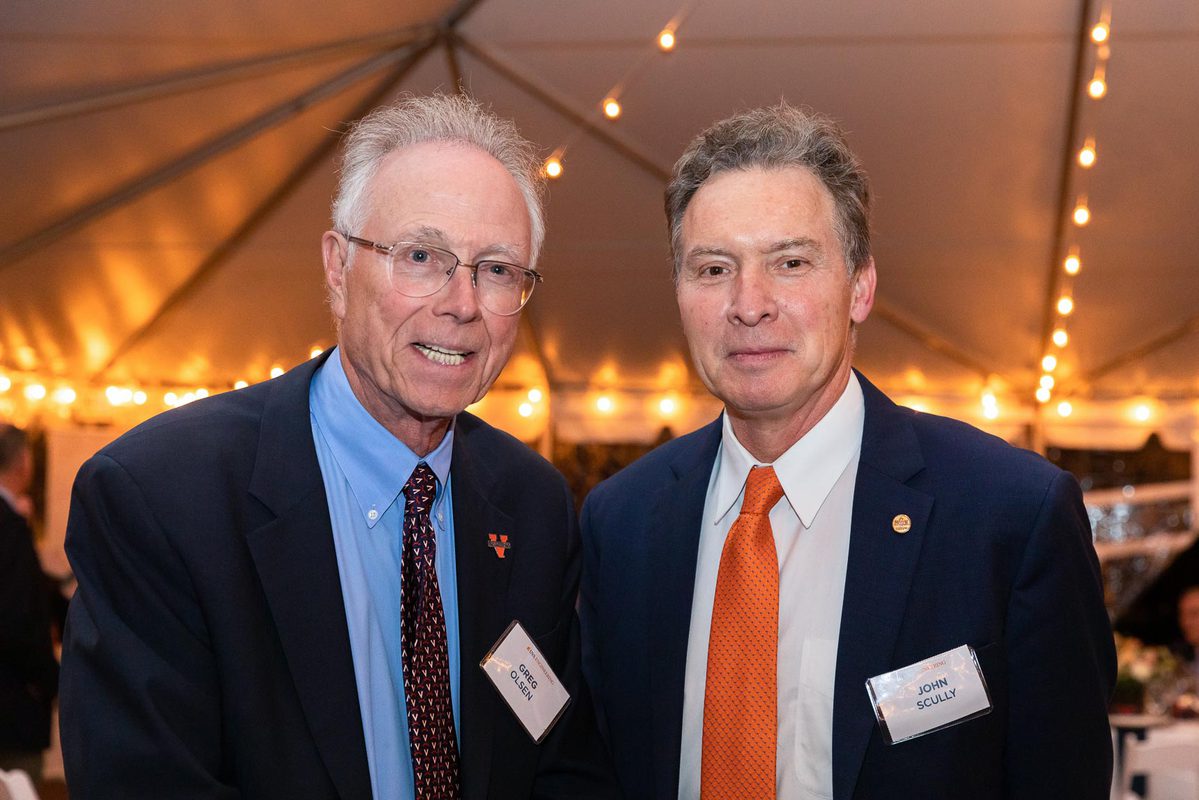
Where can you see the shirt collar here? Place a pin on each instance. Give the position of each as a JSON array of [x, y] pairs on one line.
[[375, 463], [808, 469]]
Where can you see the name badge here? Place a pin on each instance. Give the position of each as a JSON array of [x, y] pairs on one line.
[[524, 679], [944, 690]]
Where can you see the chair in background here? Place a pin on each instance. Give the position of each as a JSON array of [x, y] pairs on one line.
[[1169, 759], [15, 785]]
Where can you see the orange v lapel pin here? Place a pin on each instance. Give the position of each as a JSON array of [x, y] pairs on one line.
[[499, 543]]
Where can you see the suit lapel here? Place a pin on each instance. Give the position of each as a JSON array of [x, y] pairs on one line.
[[675, 517], [297, 565], [878, 576], [483, 606]]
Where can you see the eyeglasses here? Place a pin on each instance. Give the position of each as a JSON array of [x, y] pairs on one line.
[[419, 270]]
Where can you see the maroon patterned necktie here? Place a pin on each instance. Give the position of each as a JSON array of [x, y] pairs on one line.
[[423, 648]]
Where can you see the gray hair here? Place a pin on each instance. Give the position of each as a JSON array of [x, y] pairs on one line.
[[452, 118], [774, 138], [13, 441]]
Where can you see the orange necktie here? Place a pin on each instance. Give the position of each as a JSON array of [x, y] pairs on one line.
[[741, 696]]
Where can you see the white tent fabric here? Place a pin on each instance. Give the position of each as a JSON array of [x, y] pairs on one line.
[[168, 171]]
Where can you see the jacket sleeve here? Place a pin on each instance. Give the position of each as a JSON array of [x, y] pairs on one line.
[[575, 763], [1060, 658], [140, 700]]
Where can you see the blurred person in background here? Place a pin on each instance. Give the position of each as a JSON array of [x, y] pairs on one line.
[[28, 670]]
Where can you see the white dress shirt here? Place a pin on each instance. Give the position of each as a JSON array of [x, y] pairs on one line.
[[811, 532]]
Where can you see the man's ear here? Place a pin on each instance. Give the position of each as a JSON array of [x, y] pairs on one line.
[[863, 292], [335, 251]]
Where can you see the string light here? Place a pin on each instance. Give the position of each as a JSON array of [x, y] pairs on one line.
[[240, 384], [535, 395], [1047, 381], [1065, 305], [1043, 394], [553, 167], [1060, 337], [315, 351], [1097, 88], [64, 395], [5, 383], [1087, 155], [1073, 263], [604, 404], [611, 107], [35, 391], [525, 409], [1049, 362], [1142, 412], [140, 398], [1100, 32], [276, 371], [1082, 214], [1065, 409], [666, 40], [667, 406]]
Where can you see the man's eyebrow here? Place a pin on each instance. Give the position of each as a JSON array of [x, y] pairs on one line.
[[798, 243], [428, 234], [699, 252]]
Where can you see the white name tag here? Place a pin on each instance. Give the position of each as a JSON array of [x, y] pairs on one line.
[[525, 681], [944, 690]]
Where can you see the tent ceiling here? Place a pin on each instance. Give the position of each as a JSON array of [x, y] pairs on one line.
[[173, 237]]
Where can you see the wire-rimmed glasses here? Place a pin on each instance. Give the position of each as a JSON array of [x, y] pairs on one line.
[[419, 270]]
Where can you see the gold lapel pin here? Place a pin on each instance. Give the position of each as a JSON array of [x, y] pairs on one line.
[[902, 523]]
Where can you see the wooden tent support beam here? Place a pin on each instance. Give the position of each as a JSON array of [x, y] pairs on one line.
[[158, 176], [451, 60], [1148, 348], [221, 253], [564, 106], [192, 80], [929, 340], [1063, 222]]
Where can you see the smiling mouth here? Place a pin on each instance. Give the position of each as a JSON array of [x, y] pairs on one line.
[[440, 355]]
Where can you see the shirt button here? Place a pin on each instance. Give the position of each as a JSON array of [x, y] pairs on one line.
[[372, 515]]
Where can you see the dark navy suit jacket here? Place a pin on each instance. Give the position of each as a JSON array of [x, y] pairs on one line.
[[999, 556], [207, 652], [28, 671]]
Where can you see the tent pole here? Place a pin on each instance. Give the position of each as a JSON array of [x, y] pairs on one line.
[[251, 223], [176, 168]]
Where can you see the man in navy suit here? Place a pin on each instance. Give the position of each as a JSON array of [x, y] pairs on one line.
[[897, 543], [286, 591]]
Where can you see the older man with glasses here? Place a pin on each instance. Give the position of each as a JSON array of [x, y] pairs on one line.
[[288, 591]]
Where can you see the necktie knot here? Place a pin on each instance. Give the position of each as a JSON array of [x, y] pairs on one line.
[[420, 489], [762, 491]]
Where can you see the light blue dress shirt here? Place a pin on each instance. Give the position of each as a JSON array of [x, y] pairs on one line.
[[364, 468]]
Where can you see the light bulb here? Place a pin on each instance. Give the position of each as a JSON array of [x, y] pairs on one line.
[[35, 391], [666, 40], [553, 167], [1082, 214], [1043, 395], [1047, 381], [1097, 88], [1065, 305], [667, 406], [1049, 363], [604, 404], [1060, 337], [525, 409], [1065, 409], [611, 108], [1087, 155], [535, 395], [1100, 32], [1073, 264]]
